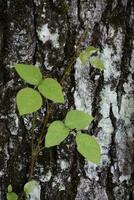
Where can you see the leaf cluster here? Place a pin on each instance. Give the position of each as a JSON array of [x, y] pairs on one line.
[[95, 61], [78, 120], [29, 100]]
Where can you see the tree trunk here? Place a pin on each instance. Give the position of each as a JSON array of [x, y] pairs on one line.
[[44, 33]]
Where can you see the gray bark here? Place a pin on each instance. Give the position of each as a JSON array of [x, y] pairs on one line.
[[44, 32]]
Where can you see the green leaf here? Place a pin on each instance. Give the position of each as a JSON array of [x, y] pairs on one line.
[[97, 63], [52, 90], [10, 189], [29, 73], [29, 186], [90, 50], [76, 119], [83, 57], [56, 133], [88, 147], [28, 101], [12, 196]]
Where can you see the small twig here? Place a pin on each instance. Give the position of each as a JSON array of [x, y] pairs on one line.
[[74, 57], [21, 196], [33, 154], [33, 127], [33, 162]]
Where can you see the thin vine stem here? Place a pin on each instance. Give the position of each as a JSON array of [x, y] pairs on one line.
[[74, 57], [33, 127], [21, 196]]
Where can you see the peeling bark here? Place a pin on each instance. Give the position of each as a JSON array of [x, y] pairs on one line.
[[44, 32]]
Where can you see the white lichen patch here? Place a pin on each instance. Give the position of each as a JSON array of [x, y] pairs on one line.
[[46, 177], [91, 172], [11, 143], [35, 194], [46, 62], [127, 108], [27, 123], [10, 84], [110, 63], [123, 178], [37, 2], [112, 53], [58, 182], [63, 164], [108, 97], [5, 151], [73, 12], [62, 188], [89, 189], [20, 167], [124, 134], [91, 12], [1, 173], [43, 15], [82, 94], [45, 35], [14, 120]]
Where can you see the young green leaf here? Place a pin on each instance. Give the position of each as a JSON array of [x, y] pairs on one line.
[[29, 186], [83, 57], [97, 63], [28, 101], [88, 147], [76, 119], [56, 133], [29, 73], [90, 50], [12, 196], [10, 189], [52, 90]]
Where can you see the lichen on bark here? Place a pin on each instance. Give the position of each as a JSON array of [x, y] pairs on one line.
[[44, 32]]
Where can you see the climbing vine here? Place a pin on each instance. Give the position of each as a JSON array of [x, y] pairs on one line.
[[30, 99]]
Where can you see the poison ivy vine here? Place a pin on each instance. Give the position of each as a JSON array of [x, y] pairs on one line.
[[30, 99]]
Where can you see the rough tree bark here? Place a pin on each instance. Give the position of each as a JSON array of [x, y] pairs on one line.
[[44, 32]]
